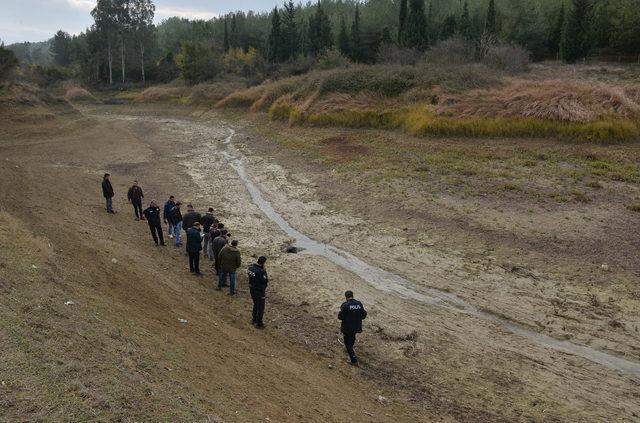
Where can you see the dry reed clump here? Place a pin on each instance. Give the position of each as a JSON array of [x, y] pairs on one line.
[[214, 92], [359, 101], [161, 93], [554, 100], [242, 98], [278, 89], [78, 94]]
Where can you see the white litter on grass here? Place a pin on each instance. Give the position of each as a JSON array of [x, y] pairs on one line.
[[605, 267], [69, 303], [183, 321], [114, 260], [33, 266]]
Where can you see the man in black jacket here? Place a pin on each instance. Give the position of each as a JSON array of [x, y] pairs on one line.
[[217, 244], [166, 214], [107, 192], [258, 281], [176, 219], [207, 221], [152, 213], [352, 313], [135, 197], [190, 218], [194, 245]]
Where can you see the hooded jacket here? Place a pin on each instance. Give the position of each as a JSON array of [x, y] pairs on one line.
[[230, 259]]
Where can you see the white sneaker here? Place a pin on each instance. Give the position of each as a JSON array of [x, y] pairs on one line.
[[171, 236]]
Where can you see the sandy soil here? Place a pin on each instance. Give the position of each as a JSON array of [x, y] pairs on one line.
[[421, 360]]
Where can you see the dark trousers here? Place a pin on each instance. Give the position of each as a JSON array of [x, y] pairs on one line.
[[349, 342], [258, 298], [156, 232], [194, 262], [216, 263], [137, 208]]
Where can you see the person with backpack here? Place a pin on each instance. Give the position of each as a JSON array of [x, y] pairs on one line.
[[351, 314], [166, 215], [152, 213], [135, 196], [107, 192], [230, 261], [176, 218], [258, 281]]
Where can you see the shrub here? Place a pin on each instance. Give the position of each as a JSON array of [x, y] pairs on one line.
[[453, 51], [197, 62], [332, 59], [394, 55], [239, 62], [8, 62], [166, 69], [513, 59]]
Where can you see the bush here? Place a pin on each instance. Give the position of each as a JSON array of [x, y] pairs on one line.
[[394, 55], [453, 51], [8, 62], [197, 62], [46, 76], [332, 59], [166, 69], [242, 63], [513, 59]]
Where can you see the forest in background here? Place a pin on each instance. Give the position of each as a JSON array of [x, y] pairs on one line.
[[124, 46]]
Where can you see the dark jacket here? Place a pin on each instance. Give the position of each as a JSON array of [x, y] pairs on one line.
[[176, 215], [107, 189], [135, 194], [194, 240], [218, 244], [230, 259], [166, 213], [258, 278], [189, 219], [207, 221], [153, 215], [352, 313]]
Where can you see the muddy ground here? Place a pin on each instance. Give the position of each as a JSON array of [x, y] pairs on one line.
[[470, 293]]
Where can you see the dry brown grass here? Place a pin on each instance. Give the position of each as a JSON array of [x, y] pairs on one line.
[[161, 93], [559, 100], [79, 95]]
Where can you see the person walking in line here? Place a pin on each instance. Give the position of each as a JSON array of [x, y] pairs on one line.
[[352, 313], [218, 243], [207, 222], [230, 261], [194, 246], [152, 213], [107, 192], [135, 197], [166, 215], [258, 281], [190, 218], [176, 218]]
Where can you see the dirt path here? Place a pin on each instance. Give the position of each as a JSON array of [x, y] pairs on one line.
[[447, 338]]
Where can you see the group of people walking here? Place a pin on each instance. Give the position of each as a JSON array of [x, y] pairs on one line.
[[208, 234]]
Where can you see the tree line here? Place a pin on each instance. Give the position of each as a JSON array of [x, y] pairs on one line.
[[123, 40]]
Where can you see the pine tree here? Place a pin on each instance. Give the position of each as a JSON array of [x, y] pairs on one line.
[[343, 39], [289, 31], [416, 29], [355, 40], [575, 35], [449, 27], [402, 23], [431, 23], [490, 24], [320, 37], [465, 22], [226, 36], [233, 37], [274, 49], [556, 32]]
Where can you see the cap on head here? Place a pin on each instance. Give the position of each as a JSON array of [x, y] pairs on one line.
[[234, 243], [348, 294], [262, 260]]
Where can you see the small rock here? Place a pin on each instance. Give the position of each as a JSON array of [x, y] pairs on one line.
[[382, 399], [605, 267], [331, 366], [68, 303], [183, 321], [114, 260]]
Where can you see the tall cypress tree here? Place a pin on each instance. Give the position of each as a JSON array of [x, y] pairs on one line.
[[233, 38], [274, 50], [320, 37], [416, 28], [575, 35], [355, 40], [402, 23], [490, 24], [465, 22], [449, 27], [226, 36], [556, 32], [289, 31], [343, 39]]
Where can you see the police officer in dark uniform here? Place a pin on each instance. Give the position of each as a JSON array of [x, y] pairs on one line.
[[152, 213], [352, 313], [258, 281]]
